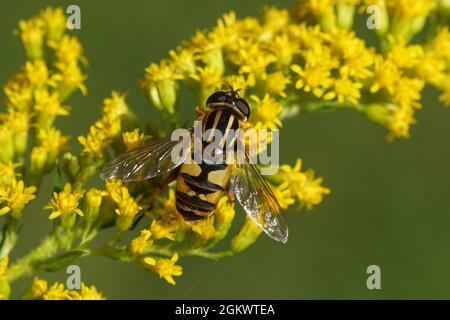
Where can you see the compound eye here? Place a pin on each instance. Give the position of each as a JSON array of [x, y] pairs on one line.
[[219, 96], [243, 106]]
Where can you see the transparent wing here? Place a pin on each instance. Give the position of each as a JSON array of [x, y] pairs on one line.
[[259, 202], [144, 162]]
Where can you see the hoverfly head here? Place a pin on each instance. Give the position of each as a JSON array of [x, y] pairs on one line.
[[230, 99]]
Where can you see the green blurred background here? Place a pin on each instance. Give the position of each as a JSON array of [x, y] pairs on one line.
[[390, 202]]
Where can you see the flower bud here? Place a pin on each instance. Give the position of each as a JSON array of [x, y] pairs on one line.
[[247, 234], [39, 158], [6, 141], [153, 96], [92, 203], [70, 165], [20, 141], [124, 222], [32, 35], [168, 94], [345, 14], [55, 22], [376, 112]]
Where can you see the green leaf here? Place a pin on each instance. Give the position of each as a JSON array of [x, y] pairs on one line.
[[60, 261]]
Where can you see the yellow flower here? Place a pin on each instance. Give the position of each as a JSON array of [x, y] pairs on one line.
[[275, 19], [312, 78], [16, 121], [68, 51], [19, 92], [407, 17], [409, 9], [407, 92], [344, 89], [168, 205], [32, 33], [49, 104], [399, 119], [403, 56], [115, 106], [65, 203], [139, 244], [284, 49], [57, 292], [165, 228], [127, 206], [68, 79], [16, 197], [113, 187], [109, 125], [431, 68], [276, 82], [440, 45], [8, 174], [37, 73], [385, 75], [184, 60], [37, 289], [160, 83], [293, 176], [210, 49], [52, 140], [55, 22], [209, 79], [205, 228], [252, 58], [303, 185], [165, 268], [356, 58], [267, 112], [312, 192], [283, 195], [239, 82], [92, 202], [94, 142], [226, 32], [88, 293], [133, 139], [39, 159]]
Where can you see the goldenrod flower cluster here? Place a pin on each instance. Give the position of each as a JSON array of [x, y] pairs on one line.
[[41, 290], [285, 63]]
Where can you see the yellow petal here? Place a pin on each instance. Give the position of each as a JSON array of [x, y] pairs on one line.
[[54, 215], [4, 210]]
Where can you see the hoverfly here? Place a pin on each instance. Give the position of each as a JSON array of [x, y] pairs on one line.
[[201, 185]]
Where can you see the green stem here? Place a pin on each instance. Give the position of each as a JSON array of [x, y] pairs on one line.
[[120, 253], [9, 237], [26, 265]]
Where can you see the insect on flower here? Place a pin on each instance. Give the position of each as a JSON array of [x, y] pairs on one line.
[[200, 185]]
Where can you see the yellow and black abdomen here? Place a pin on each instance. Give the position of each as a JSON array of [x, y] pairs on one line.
[[199, 188], [200, 185]]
